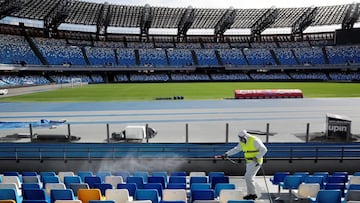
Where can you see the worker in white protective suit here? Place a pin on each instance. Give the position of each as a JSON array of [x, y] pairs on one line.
[[254, 151]]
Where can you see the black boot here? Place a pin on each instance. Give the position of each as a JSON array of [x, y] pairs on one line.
[[250, 196]]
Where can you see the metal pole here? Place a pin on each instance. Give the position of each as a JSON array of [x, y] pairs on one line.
[[69, 132], [31, 132], [227, 132], [307, 132], [107, 133], [187, 133], [146, 135], [267, 132]]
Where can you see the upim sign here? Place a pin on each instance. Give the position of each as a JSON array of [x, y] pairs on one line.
[[339, 126]]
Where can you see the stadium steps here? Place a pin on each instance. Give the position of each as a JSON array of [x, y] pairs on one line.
[[217, 54], [245, 57], [194, 57], [167, 57], [326, 58], [116, 57], [294, 55], [274, 57], [33, 46], [137, 57], [83, 51]]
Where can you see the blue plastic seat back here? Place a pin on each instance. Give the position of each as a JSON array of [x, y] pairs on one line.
[[206, 194], [29, 173], [9, 193], [354, 187], [147, 194], [336, 179], [143, 174], [71, 179], [131, 187], [158, 179], [139, 181], [11, 173], [324, 174], [328, 196], [336, 186], [156, 186], [176, 186], [279, 177], [221, 179], [356, 173], [200, 186], [177, 179], [46, 173], [50, 179], [315, 179], [341, 173], [221, 186], [30, 186], [198, 179], [92, 180], [291, 182], [61, 194], [212, 174], [160, 174], [34, 194], [103, 187], [303, 174]]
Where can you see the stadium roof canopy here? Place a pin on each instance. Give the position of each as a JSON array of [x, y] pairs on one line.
[[104, 15]]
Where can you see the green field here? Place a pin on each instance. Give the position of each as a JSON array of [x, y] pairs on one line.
[[190, 91]]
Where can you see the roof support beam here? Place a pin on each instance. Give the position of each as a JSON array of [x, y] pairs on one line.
[[352, 14], [9, 6], [224, 23], [57, 16], [103, 20], [145, 23], [263, 22], [303, 22], [185, 23]]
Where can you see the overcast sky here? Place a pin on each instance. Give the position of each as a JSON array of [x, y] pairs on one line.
[[228, 3]]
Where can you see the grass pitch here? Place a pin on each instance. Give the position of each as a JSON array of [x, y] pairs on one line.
[[190, 91]]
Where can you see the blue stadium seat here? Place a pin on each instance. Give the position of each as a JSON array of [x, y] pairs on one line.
[[147, 194], [131, 187], [61, 194], [327, 196], [205, 194], [158, 179], [138, 180]]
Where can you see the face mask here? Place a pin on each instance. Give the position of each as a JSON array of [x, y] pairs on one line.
[[242, 139]]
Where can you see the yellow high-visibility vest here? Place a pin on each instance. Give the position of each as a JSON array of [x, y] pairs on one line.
[[250, 151]]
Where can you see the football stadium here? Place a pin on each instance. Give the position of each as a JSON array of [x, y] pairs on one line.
[[118, 103]]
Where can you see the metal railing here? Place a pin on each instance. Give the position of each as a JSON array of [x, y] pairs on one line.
[[283, 151]]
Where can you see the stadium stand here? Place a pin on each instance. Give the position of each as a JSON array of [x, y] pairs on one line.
[[31, 55]]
